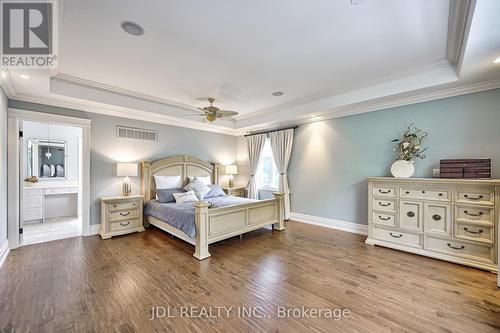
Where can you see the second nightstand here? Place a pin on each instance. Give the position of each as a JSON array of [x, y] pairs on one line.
[[237, 191], [121, 215]]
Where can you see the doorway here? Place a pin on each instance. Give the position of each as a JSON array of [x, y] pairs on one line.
[[51, 192], [49, 177]]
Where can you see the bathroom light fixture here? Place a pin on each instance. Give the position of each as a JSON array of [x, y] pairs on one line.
[[24, 76], [278, 93], [132, 28]]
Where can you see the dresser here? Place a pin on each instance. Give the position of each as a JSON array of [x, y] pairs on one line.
[[237, 191], [121, 215], [448, 219]]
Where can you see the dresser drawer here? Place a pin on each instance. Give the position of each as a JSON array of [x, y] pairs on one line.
[[474, 232], [385, 205], [384, 219], [474, 214], [62, 190], [32, 202], [437, 218], [32, 192], [475, 196], [381, 190], [398, 237], [411, 215], [32, 214], [123, 225], [123, 205], [424, 194], [467, 250], [123, 214]]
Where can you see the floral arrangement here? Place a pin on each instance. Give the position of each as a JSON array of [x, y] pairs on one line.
[[31, 179], [409, 147]]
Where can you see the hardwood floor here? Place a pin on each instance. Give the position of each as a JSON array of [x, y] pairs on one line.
[[91, 285]]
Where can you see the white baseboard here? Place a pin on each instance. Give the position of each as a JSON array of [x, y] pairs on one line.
[[94, 229], [4, 251], [355, 228]]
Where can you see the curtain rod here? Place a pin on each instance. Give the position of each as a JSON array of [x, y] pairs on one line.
[[275, 130]]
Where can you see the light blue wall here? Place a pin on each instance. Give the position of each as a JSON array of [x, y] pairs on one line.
[[331, 159], [3, 166], [106, 149]]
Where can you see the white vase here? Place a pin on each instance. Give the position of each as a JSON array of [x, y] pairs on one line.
[[402, 169]]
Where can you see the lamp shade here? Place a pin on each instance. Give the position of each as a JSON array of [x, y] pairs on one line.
[[231, 169], [126, 169]]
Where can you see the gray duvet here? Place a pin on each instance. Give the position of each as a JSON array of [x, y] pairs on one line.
[[181, 216]]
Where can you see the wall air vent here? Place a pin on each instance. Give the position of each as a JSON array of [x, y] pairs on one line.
[[131, 133]]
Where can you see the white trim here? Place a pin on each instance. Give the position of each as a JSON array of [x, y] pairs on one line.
[[459, 21], [94, 229], [15, 116], [4, 251], [361, 229], [7, 83], [430, 94]]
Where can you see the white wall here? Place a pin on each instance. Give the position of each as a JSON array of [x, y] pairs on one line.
[[72, 136], [3, 167]]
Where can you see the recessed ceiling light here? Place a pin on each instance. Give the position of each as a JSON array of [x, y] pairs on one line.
[[356, 2], [497, 60], [278, 93], [24, 76], [132, 28]]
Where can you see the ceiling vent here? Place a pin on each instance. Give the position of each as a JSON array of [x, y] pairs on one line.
[[131, 133]]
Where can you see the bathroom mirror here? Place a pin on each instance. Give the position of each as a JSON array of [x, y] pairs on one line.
[[47, 159]]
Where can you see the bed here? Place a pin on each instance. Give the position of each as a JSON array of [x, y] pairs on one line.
[[230, 217]]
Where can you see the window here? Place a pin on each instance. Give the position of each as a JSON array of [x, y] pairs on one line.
[[267, 176]]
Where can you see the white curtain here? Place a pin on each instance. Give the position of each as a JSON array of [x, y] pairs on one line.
[[255, 144], [281, 143]]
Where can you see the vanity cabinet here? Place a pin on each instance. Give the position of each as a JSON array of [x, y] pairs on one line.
[[449, 219], [49, 201]]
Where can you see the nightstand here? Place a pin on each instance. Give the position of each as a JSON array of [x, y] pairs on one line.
[[121, 215], [237, 191]]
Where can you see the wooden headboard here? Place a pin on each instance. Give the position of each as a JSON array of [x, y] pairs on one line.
[[184, 165]]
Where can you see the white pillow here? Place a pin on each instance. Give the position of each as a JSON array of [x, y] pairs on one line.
[[188, 196], [205, 179], [199, 188], [163, 182]]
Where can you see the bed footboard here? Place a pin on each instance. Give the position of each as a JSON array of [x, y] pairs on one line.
[[216, 224]]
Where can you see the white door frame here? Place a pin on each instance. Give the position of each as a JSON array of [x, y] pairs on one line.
[[15, 117]]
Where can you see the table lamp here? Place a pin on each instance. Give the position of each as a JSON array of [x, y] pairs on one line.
[[231, 170], [126, 170]]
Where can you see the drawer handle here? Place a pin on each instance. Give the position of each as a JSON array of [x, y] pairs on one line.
[[124, 224], [384, 218], [471, 214], [114, 206], [125, 214], [440, 194], [436, 217], [480, 231], [455, 248], [380, 191], [398, 236], [134, 204], [423, 192], [472, 198], [384, 205], [407, 192], [410, 214]]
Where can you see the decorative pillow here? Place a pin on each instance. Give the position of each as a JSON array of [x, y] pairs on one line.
[[205, 179], [188, 196], [166, 194], [215, 191], [199, 188], [162, 182]]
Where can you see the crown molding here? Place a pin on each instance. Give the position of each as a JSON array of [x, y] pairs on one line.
[[441, 65], [420, 96], [459, 22], [130, 114], [7, 83], [129, 93]]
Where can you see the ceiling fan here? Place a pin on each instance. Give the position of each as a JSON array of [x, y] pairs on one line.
[[212, 113]]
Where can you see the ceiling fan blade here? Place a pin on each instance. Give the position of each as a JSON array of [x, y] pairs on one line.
[[227, 113]]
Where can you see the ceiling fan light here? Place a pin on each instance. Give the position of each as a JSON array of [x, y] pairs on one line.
[[211, 117]]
